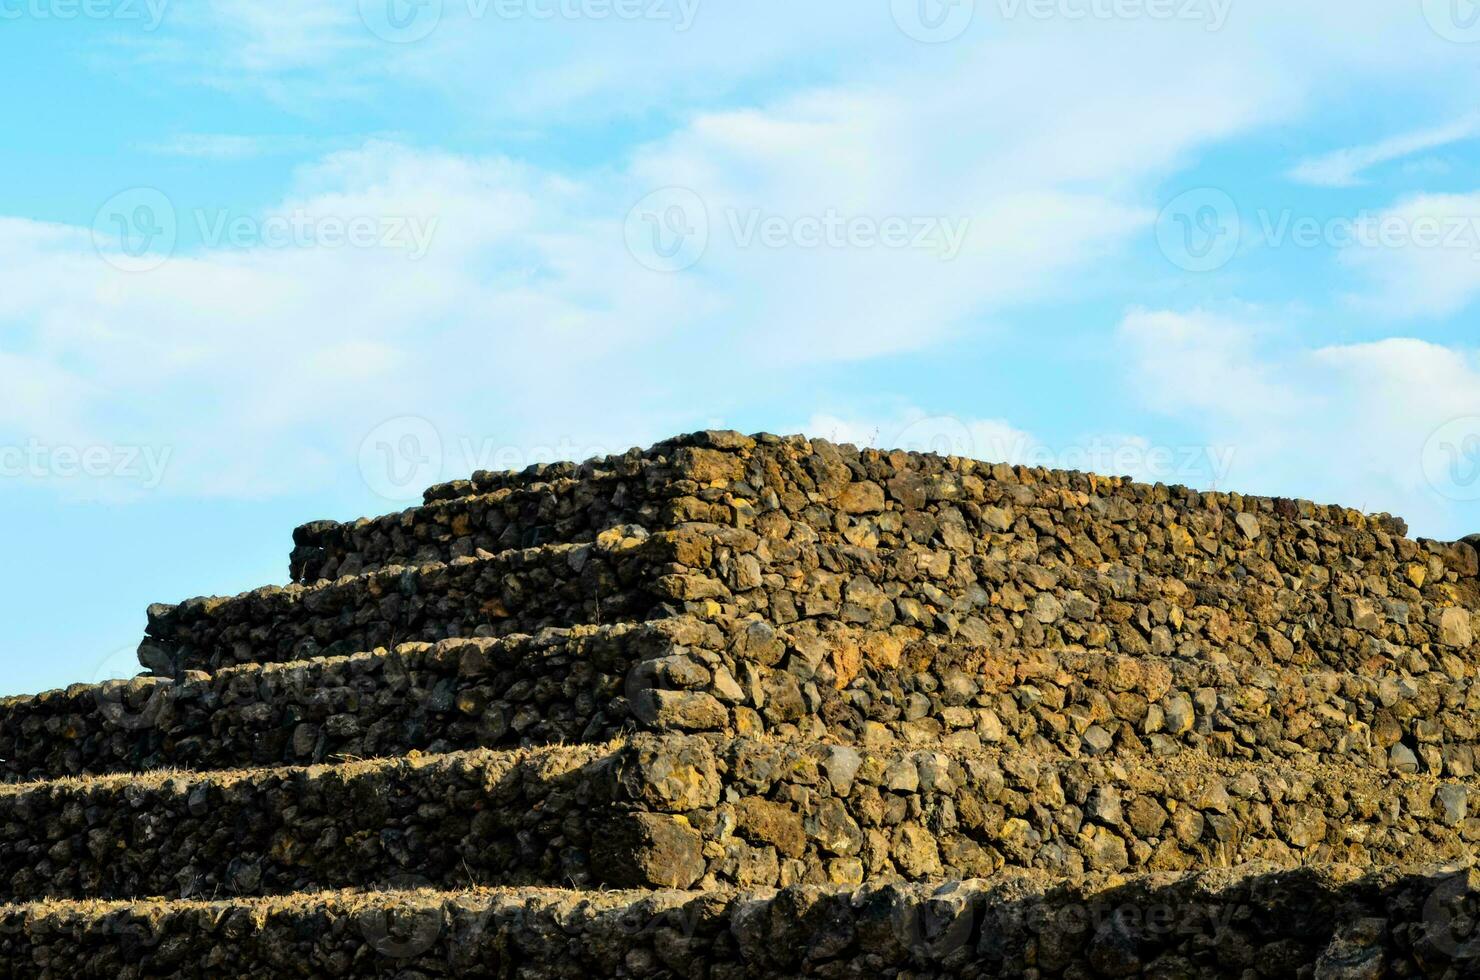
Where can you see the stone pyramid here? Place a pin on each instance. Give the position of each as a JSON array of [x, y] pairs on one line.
[[761, 706]]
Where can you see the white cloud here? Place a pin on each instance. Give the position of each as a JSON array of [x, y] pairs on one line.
[[41, 395], [993, 440], [1421, 256], [1203, 362], [1353, 424], [535, 68], [999, 441], [528, 315], [528, 283], [1346, 167]]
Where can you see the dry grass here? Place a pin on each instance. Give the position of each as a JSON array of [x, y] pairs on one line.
[[558, 758]]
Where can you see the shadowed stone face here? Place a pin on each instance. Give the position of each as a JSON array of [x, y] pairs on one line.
[[648, 850]]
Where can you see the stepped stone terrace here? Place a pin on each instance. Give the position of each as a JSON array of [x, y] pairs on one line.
[[758, 706]]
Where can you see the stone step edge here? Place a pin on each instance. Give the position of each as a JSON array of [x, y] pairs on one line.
[[418, 650], [1013, 881], [316, 539], [122, 705], [632, 463], [679, 810], [316, 536], [738, 444], [561, 685], [674, 798], [180, 782], [1347, 921], [311, 533], [1190, 760], [480, 817], [168, 647], [203, 605], [732, 442]]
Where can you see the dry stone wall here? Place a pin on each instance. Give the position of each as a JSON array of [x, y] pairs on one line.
[[1038, 558], [849, 686], [519, 591], [509, 519], [498, 511], [495, 817], [858, 686], [562, 685], [803, 530], [913, 693], [905, 548], [1257, 922], [908, 548], [685, 811]]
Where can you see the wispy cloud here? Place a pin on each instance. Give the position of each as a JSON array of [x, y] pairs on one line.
[[1347, 167], [227, 146]]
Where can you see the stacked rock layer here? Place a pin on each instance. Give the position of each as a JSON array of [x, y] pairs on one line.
[[758, 706]]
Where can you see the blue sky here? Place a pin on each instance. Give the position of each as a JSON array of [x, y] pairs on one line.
[[262, 263]]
